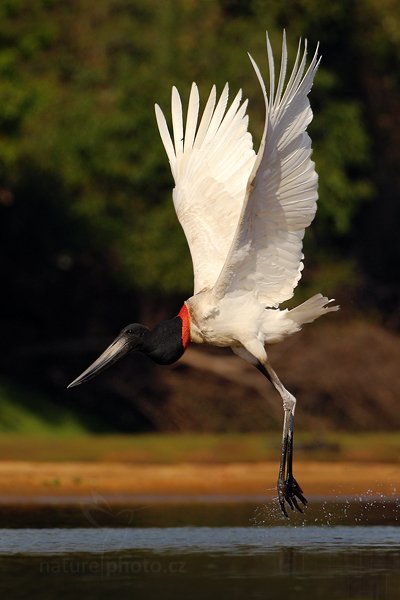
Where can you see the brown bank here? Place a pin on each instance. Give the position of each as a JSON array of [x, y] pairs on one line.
[[47, 479]]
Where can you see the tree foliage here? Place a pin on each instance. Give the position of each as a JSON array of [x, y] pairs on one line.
[[84, 183]]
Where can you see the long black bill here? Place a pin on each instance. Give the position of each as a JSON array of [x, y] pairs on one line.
[[114, 352]]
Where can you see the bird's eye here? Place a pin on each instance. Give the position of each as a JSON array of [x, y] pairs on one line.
[[129, 331]]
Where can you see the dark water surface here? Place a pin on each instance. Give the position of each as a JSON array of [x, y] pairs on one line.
[[112, 548]]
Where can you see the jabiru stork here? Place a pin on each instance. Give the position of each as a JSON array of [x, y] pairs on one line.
[[244, 215]]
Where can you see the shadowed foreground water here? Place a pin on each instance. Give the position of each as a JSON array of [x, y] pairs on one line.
[[347, 550]]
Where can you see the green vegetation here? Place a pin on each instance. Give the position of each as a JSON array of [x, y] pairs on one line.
[[78, 82], [195, 447], [36, 416], [88, 236]]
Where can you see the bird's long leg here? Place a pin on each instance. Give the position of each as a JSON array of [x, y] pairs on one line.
[[288, 488]]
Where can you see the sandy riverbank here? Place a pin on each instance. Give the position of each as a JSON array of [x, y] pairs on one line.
[[33, 479]]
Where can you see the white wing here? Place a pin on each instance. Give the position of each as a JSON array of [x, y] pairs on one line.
[[266, 253], [211, 163]]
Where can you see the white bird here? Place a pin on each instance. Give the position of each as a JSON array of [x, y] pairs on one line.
[[244, 216]]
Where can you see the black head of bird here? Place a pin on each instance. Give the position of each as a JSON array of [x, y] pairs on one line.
[[164, 344]]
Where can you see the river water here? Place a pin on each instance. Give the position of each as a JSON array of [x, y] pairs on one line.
[[347, 549]]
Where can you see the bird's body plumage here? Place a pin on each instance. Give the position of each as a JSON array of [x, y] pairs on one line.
[[232, 321], [244, 216]]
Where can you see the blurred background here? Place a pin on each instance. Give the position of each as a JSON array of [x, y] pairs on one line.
[[90, 241]]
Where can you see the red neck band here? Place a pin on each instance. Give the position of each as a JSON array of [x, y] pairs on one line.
[[184, 315]]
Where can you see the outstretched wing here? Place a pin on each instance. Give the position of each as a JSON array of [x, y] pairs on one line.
[[266, 254], [211, 163]]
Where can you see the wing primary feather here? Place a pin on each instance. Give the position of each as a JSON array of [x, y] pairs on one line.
[[259, 76], [299, 75], [264, 91], [228, 130], [192, 116], [177, 121], [232, 112], [292, 75], [264, 135], [306, 82], [218, 114], [316, 59], [206, 118], [165, 136], [271, 67], [282, 74]]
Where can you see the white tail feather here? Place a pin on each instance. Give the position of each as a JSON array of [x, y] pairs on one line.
[[311, 309]]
